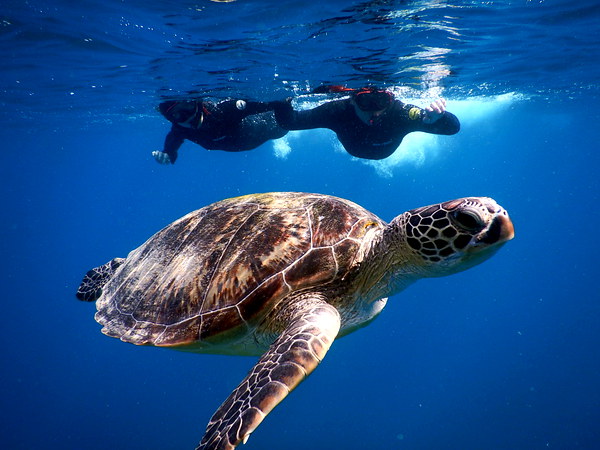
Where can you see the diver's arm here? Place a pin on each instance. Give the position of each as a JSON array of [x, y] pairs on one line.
[[443, 121], [429, 120], [447, 124], [173, 141]]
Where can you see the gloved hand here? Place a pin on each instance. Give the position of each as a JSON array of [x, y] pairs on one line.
[[161, 157]]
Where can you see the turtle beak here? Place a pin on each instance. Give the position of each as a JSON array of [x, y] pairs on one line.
[[500, 230]]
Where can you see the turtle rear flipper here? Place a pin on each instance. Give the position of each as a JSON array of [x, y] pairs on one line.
[[91, 286]]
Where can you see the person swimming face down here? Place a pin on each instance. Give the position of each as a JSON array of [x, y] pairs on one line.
[[187, 113]]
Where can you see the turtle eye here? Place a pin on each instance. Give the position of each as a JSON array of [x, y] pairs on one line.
[[467, 220]]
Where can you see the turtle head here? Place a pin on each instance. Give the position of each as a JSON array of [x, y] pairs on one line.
[[453, 236]]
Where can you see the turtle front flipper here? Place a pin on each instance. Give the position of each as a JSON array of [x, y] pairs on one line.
[[312, 327], [91, 286]]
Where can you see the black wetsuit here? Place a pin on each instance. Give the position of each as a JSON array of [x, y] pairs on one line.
[[226, 127], [377, 140]]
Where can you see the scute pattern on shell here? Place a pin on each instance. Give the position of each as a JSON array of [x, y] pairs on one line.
[[215, 273]]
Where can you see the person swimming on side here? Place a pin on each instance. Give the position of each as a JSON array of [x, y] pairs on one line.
[[229, 125], [371, 122]]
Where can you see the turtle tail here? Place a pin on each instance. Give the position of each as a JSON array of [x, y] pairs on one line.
[[91, 286]]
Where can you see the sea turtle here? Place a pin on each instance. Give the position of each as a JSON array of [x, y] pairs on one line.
[[280, 275]]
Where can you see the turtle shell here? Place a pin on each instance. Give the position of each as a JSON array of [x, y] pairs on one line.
[[213, 275]]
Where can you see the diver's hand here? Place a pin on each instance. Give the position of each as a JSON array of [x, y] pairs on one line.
[[434, 111], [161, 157]]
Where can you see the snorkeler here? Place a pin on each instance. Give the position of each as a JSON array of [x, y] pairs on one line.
[[370, 123], [229, 125]]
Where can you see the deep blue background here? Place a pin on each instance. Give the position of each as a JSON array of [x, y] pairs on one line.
[[503, 356]]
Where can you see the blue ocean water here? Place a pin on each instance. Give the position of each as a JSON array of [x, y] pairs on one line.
[[503, 356]]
